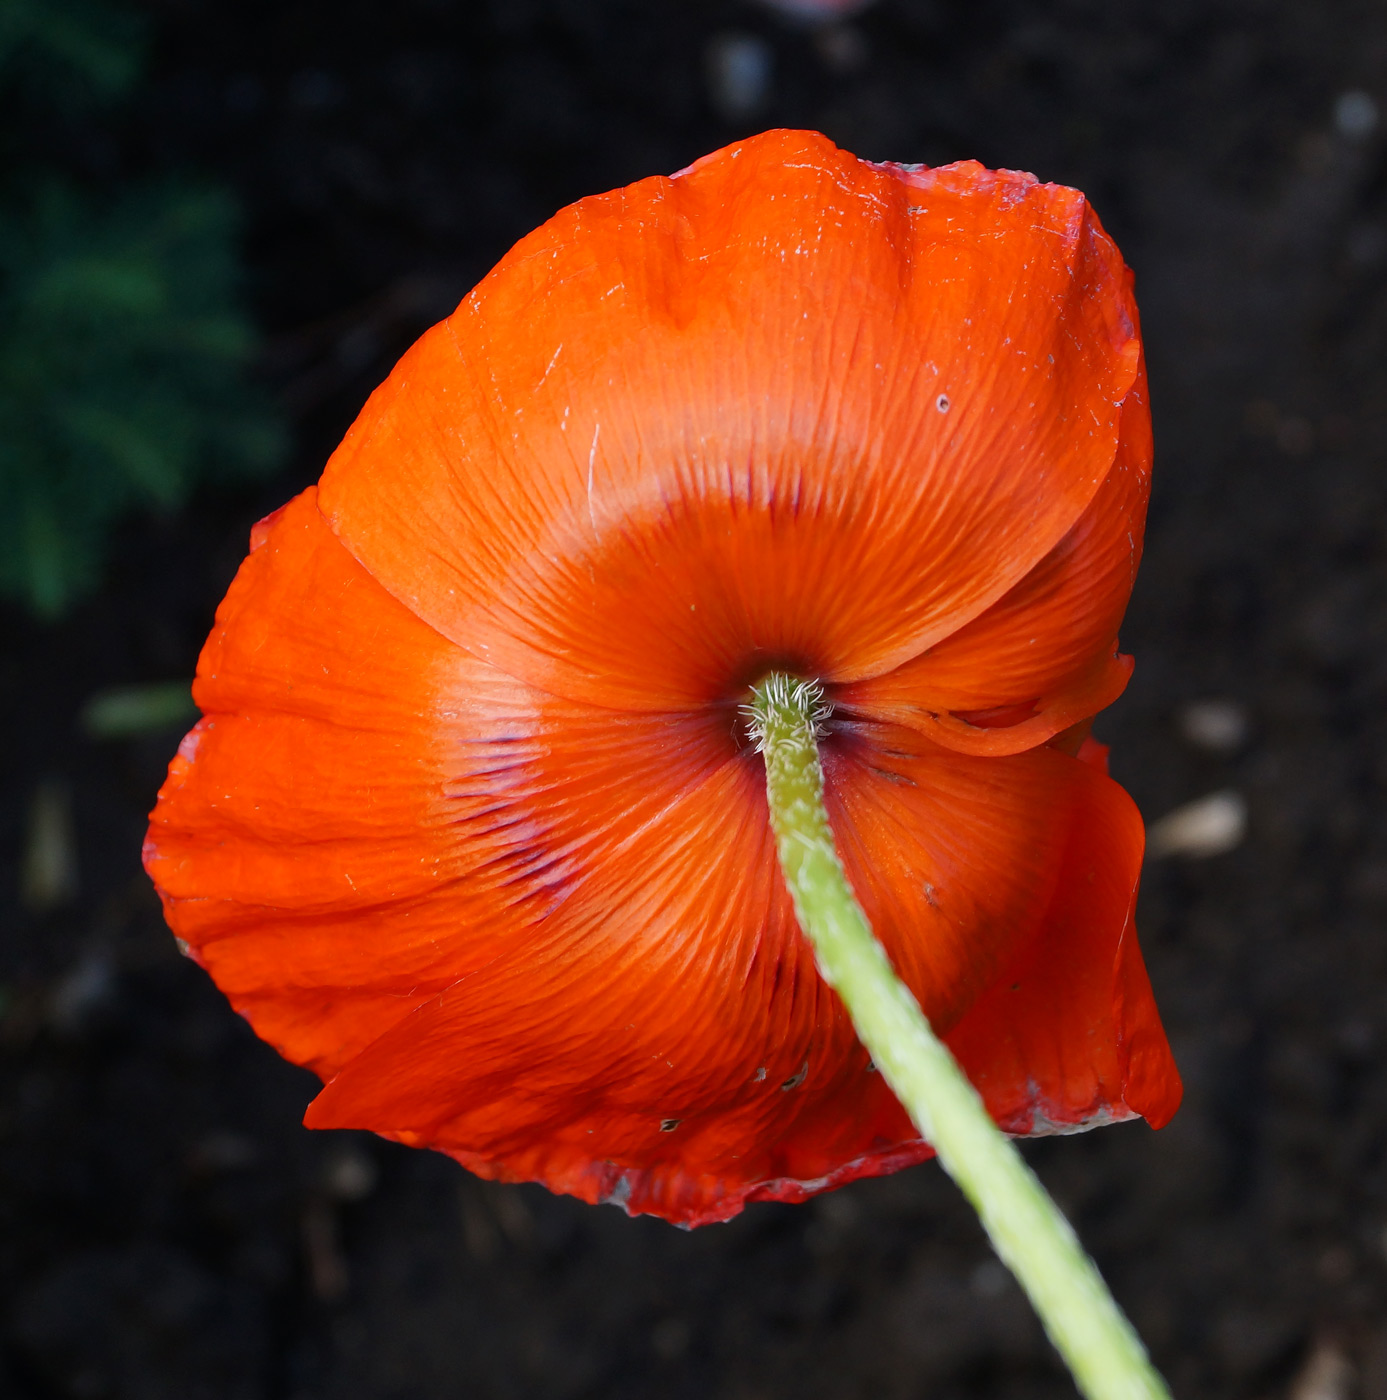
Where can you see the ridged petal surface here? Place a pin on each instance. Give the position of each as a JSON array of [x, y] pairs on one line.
[[785, 408]]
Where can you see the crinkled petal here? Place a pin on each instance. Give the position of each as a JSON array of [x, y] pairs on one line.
[[784, 409], [1046, 649], [304, 843], [1069, 1037], [662, 1038]]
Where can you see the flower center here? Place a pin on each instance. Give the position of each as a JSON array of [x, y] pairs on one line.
[[778, 677]]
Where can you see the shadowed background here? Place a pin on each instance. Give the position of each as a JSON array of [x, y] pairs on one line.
[[167, 1230]]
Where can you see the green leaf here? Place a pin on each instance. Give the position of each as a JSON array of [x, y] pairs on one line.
[[124, 372]]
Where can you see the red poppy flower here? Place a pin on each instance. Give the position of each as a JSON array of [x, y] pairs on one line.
[[472, 826]]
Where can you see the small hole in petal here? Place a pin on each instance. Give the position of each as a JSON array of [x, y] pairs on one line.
[[795, 1080], [942, 403], [668, 1125]]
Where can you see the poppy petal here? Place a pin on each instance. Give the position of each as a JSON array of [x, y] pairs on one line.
[[1048, 646], [639, 467], [1069, 1037], [303, 842], [662, 1038]]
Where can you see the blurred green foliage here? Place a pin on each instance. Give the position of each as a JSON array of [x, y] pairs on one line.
[[69, 51], [121, 359], [123, 344]]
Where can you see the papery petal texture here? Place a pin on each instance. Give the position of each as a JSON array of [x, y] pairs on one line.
[[472, 825]]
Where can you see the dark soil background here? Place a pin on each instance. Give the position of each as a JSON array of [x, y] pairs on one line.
[[168, 1231]]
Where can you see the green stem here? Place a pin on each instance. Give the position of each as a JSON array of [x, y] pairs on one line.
[[1027, 1229]]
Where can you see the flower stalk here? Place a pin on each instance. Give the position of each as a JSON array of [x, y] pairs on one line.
[[1027, 1229]]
